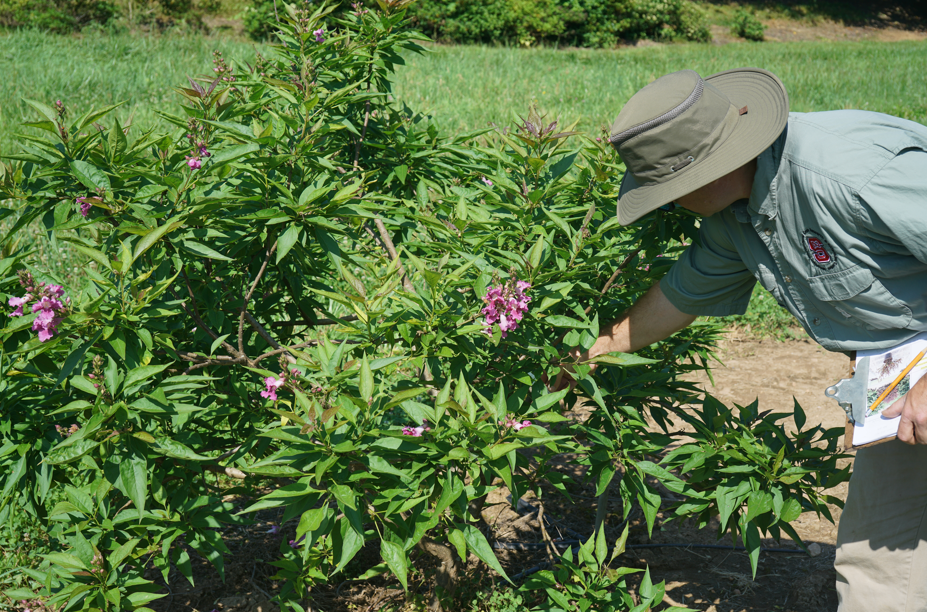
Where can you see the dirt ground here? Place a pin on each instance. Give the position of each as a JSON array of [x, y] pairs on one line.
[[712, 580], [781, 30]]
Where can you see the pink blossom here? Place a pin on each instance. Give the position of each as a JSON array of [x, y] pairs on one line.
[[274, 529], [487, 181], [505, 305], [19, 303], [204, 152], [194, 163], [272, 385], [416, 432], [516, 425], [319, 35], [85, 206]]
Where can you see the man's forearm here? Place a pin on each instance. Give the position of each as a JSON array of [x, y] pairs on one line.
[[651, 319]]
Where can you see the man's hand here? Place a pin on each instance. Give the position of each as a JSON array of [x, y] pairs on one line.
[[649, 320], [913, 410], [565, 377]]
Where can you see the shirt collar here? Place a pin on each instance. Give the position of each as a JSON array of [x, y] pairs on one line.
[[763, 198]]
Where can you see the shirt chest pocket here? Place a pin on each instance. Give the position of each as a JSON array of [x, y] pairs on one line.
[[856, 297]]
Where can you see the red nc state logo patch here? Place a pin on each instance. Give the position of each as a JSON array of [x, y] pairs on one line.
[[821, 252]]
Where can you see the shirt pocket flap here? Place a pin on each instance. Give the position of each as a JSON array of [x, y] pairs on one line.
[[839, 286]]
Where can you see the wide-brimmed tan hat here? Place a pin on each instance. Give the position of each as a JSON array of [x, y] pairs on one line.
[[682, 132]]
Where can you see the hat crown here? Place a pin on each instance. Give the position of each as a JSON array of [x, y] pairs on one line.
[[670, 124]]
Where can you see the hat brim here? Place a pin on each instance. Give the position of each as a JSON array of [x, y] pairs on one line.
[[767, 113]]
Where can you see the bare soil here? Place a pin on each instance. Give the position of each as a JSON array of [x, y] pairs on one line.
[[713, 580], [784, 30]]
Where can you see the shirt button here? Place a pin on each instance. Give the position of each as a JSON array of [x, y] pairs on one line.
[[788, 279], [816, 321], [767, 231]]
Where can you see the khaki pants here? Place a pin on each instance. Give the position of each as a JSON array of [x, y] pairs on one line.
[[882, 536]]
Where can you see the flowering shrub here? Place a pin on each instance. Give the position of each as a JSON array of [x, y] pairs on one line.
[[325, 275], [506, 305]]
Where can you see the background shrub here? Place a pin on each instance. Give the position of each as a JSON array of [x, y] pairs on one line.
[[585, 23], [56, 15], [747, 25]]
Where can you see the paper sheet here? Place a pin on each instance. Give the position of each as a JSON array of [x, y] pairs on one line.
[[884, 368]]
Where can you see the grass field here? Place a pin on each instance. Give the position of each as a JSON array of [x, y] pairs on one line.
[[466, 87], [461, 87]]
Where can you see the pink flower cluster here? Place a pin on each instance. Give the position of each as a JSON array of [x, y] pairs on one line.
[[85, 206], [272, 385], [487, 181], [197, 137], [516, 425], [196, 161], [67, 433], [98, 565], [221, 68], [416, 432], [505, 305], [48, 304], [319, 35]]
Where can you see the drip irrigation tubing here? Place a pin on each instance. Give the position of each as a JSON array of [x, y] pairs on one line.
[[575, 544], [571, 543]]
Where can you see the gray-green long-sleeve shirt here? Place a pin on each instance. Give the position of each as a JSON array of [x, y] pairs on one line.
[[835, 228]]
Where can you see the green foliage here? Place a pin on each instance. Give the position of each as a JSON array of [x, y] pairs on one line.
[[260, 19], [747, 25], [595, 23], [293, 261], [499, 601], [56, 15], [584, 577]]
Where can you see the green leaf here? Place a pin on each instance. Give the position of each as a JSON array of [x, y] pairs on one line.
[[61, 455], [287, 241], [498, 450], [149, 191], [799, 420], [759, 503], [205, 251], [90, 176], [149, 239], [791, 510], [601, 547], [621, 359], [456, 537], [217, 343], [401, 172], [232, 153], [46, 111], [366, 381], [564, 321], [605, 478], [141, 373], [345, 193], [395, 558], [119, 555], [177, 450], [75, 358], [476, 542], [547, 400], [134, 473], [351, 543], [93, 254], [751, 538]]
